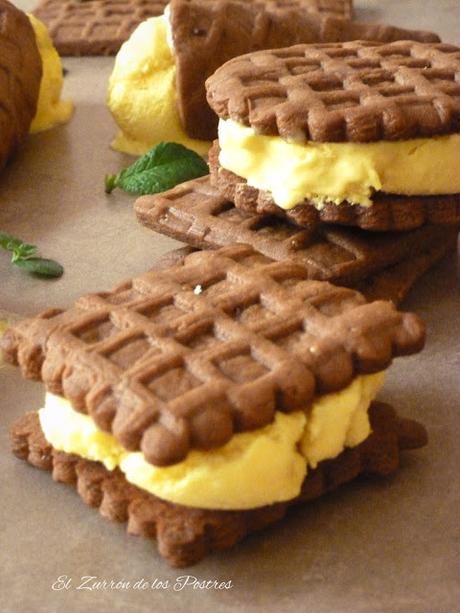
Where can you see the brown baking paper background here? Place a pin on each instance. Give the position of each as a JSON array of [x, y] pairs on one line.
[[375, 545]]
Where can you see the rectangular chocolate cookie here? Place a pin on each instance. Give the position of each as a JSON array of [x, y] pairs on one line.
[[225, 337], [94, 27], [392, 283], [197, 214], [366, 92]]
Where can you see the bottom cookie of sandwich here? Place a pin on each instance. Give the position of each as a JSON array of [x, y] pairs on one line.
[[389, 212], [185, 535]]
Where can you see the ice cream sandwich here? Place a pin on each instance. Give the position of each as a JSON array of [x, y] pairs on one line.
[[199, 401], [157, 88], [355, 133]]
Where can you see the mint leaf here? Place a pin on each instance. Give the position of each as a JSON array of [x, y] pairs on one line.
[[17, 247], [25, 256], [41, 267], [9, 242], [160, 169], [23, 252]]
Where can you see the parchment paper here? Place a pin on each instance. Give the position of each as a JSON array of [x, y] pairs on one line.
[[374, 546]]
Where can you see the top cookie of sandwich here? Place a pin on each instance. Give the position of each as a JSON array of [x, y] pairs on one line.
[[184, 357], [356, 91]]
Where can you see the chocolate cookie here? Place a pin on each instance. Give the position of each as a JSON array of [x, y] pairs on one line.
[[388, 212], [183, 357], [199, 215], [395, 282], [392, 283], [356, 92], [207, 34], [94, 27], [20, 76], [185, 535]]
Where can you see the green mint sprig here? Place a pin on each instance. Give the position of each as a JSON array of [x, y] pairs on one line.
[[160, 169], [25, 256]]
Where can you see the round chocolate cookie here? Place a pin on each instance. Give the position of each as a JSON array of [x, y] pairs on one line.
[[357, 91], [20, 76], [352, 92], [208, 34]]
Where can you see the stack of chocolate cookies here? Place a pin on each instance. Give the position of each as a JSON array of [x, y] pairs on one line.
[[340, 157]]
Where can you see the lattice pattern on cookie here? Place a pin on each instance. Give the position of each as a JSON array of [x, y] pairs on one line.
[[391, 283], [99, 27], [20, 75], [243, 336], [355, 91], [185, 534], [198, 214], [208, 34], [94, 27]]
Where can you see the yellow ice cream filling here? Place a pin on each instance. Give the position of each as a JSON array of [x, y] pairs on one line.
[[51, 110], [338, 172], [253, 469], [142, 92]]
